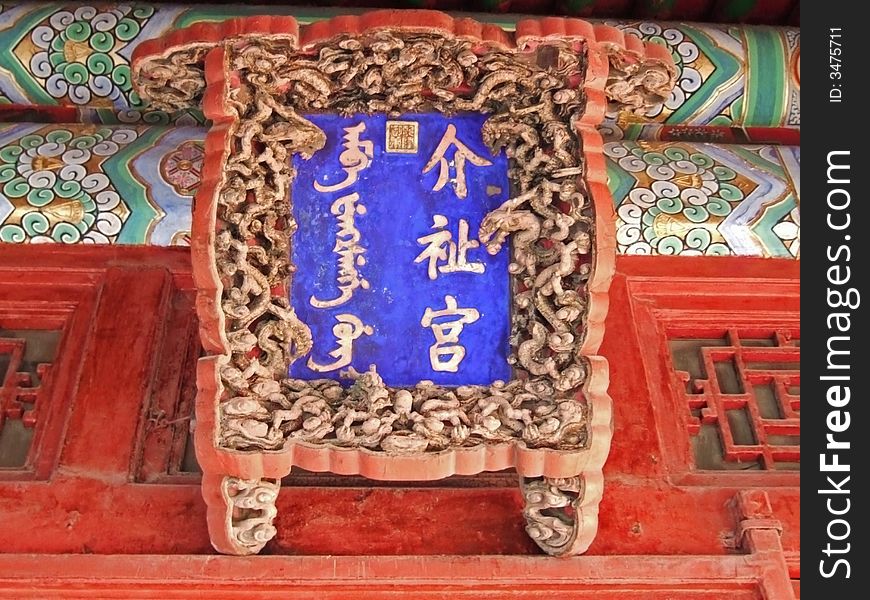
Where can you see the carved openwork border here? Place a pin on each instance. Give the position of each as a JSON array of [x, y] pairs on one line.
[[253, 422]]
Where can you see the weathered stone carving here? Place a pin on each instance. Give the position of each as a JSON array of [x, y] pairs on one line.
[[251, 510], [552, 513]]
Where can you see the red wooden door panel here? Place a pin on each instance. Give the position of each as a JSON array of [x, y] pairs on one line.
[[126, 329]]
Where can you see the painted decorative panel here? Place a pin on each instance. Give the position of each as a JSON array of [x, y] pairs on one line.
[[74, 55], [694, 199], [135, 185], [97, 184], [79, 55], [730, 77]]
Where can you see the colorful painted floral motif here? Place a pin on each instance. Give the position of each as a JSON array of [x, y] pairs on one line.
[[793, 41], [182, 168], [702, 199], [60, 183], [789, 231], [85, 183], [678, 201], [695, 66], [54, 191], [75, 54], [79, 55], [729, 76]]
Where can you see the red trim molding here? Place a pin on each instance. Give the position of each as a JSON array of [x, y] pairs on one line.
[[738, 577]]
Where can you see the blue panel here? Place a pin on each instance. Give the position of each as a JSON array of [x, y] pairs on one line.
[[400, 206]]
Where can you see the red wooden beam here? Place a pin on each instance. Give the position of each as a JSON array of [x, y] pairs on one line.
[[742, 577]]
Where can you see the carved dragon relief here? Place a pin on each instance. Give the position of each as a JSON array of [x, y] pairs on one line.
[[534, 102], [177, 81], [635, 85]]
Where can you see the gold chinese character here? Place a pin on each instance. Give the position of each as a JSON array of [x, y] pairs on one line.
[[441, 247], [447, 334], [462, 154], [357, 155], [348, 329], [402, 137]]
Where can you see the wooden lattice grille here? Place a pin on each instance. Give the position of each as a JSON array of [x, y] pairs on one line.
[[25, 364], [743, 395]]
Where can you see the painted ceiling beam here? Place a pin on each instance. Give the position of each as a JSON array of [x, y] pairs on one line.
[[682, 198], [736, 83]]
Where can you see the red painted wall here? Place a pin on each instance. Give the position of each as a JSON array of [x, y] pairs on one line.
[[105, 478]]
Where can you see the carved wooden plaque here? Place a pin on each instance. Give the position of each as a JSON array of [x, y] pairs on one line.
[[402, 246]]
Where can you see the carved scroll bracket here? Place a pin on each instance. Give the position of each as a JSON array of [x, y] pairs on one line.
[[250, 510], [553, 513]]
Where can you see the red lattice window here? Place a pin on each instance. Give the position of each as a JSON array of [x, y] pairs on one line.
[[25, 366], [742, 391]]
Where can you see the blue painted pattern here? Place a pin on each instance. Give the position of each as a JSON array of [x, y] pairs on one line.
[[386, 203]]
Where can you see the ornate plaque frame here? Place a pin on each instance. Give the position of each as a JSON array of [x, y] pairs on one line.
[[543, 89]]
